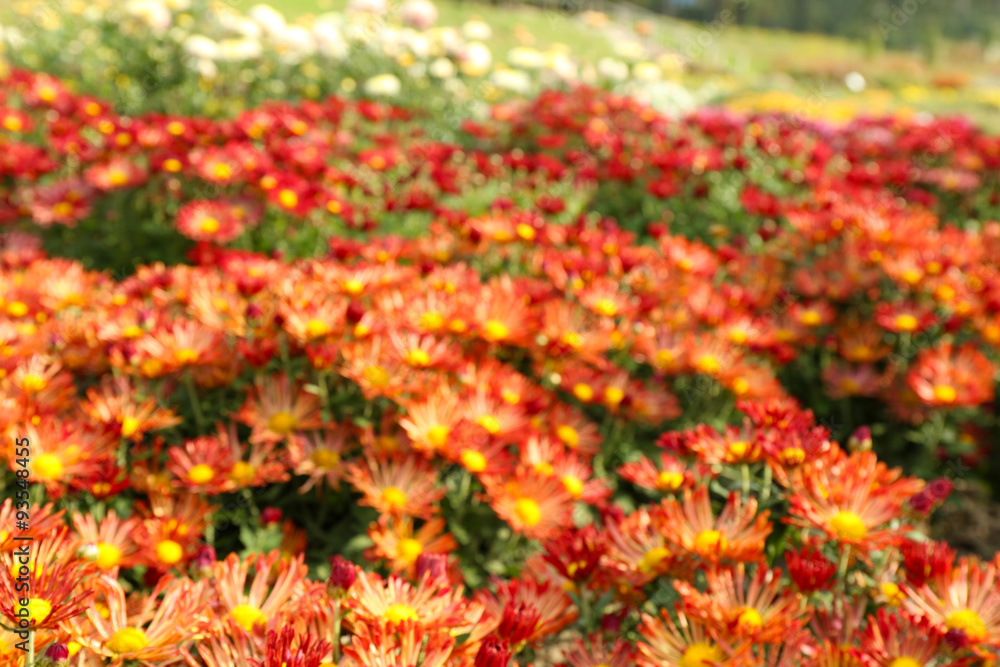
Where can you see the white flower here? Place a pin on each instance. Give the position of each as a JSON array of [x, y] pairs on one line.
[[442, 68], [294, 43], [373, 6], [561, 64], [236, 50], [206, 68], [232, 21], [630, 50], [526, 57], [383, 85], [613, 69], [268, 18], [329, 40], [512, 80], [201, 47], [418, 45], [477, 31], [447, 39], [419, 14], [855, 82], [179, 5], [153, 13], [476, 59], [646, 71]]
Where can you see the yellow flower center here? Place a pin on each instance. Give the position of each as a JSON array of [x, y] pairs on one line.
[[494, 330], [132, 331], [663, 358], [316, 328], [247, 616], [438, 435], [848, 526], [398, 613], [708, 364], [394, 498], [490, 423], [749, 620], [906, 322], [38, 610], [353, 286], [653, 560], [613, 396], [700, 655], [606, 307], [811, 318], [431, 321], [945, 393], [324, 458], [544, 468], [169, 552], [17, 309], [108, 555], [288, 199], [127, 640], [201, 474], [33, 566], [574, 486], [568, 435], [669, 481], [209, 225], [376, 376], [738, 449], [472, 460], [892, 593], [510, 396], [242, 472], [969, 622], [710, 542], [186, 356], [282, 423], [526, 232], [47, 467], [33, 383], [792, 456], [906, 662], [172, 165], [528, 512], [129, 426], [572, 339], [583, 392], [409, 549], [418, 357]]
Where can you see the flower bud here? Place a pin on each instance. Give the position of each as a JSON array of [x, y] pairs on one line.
[[342, 576], [202, 562], [57, 652], [433, 565], [270, 515], [493, 652], [810, 570], [860, 440]]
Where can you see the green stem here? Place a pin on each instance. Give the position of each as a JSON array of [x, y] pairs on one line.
[[585, 614], [30, 662], [745, 474], [766, 495], [192, 392], [842, 568], [336, 632], [324, 395]]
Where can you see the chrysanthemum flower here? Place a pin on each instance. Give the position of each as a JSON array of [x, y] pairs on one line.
[[149, 629], [534, 504], [965, 598], [393, 601], [309, 651], [52, 595], [113, 538], [277, 409], [687, 642], [599, 653], [409, 643], [552, 604], [115, 406], [43, 521], [850, 502], [899, 640], [430, 420], [948, 377], [397, 542], [736, 535], [638, 551], [319, 457], [268, 596], [170, 528], [400, 485], [754, 608]]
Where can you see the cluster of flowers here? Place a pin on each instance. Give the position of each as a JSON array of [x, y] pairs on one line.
[[530, 384], [405, 53]]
